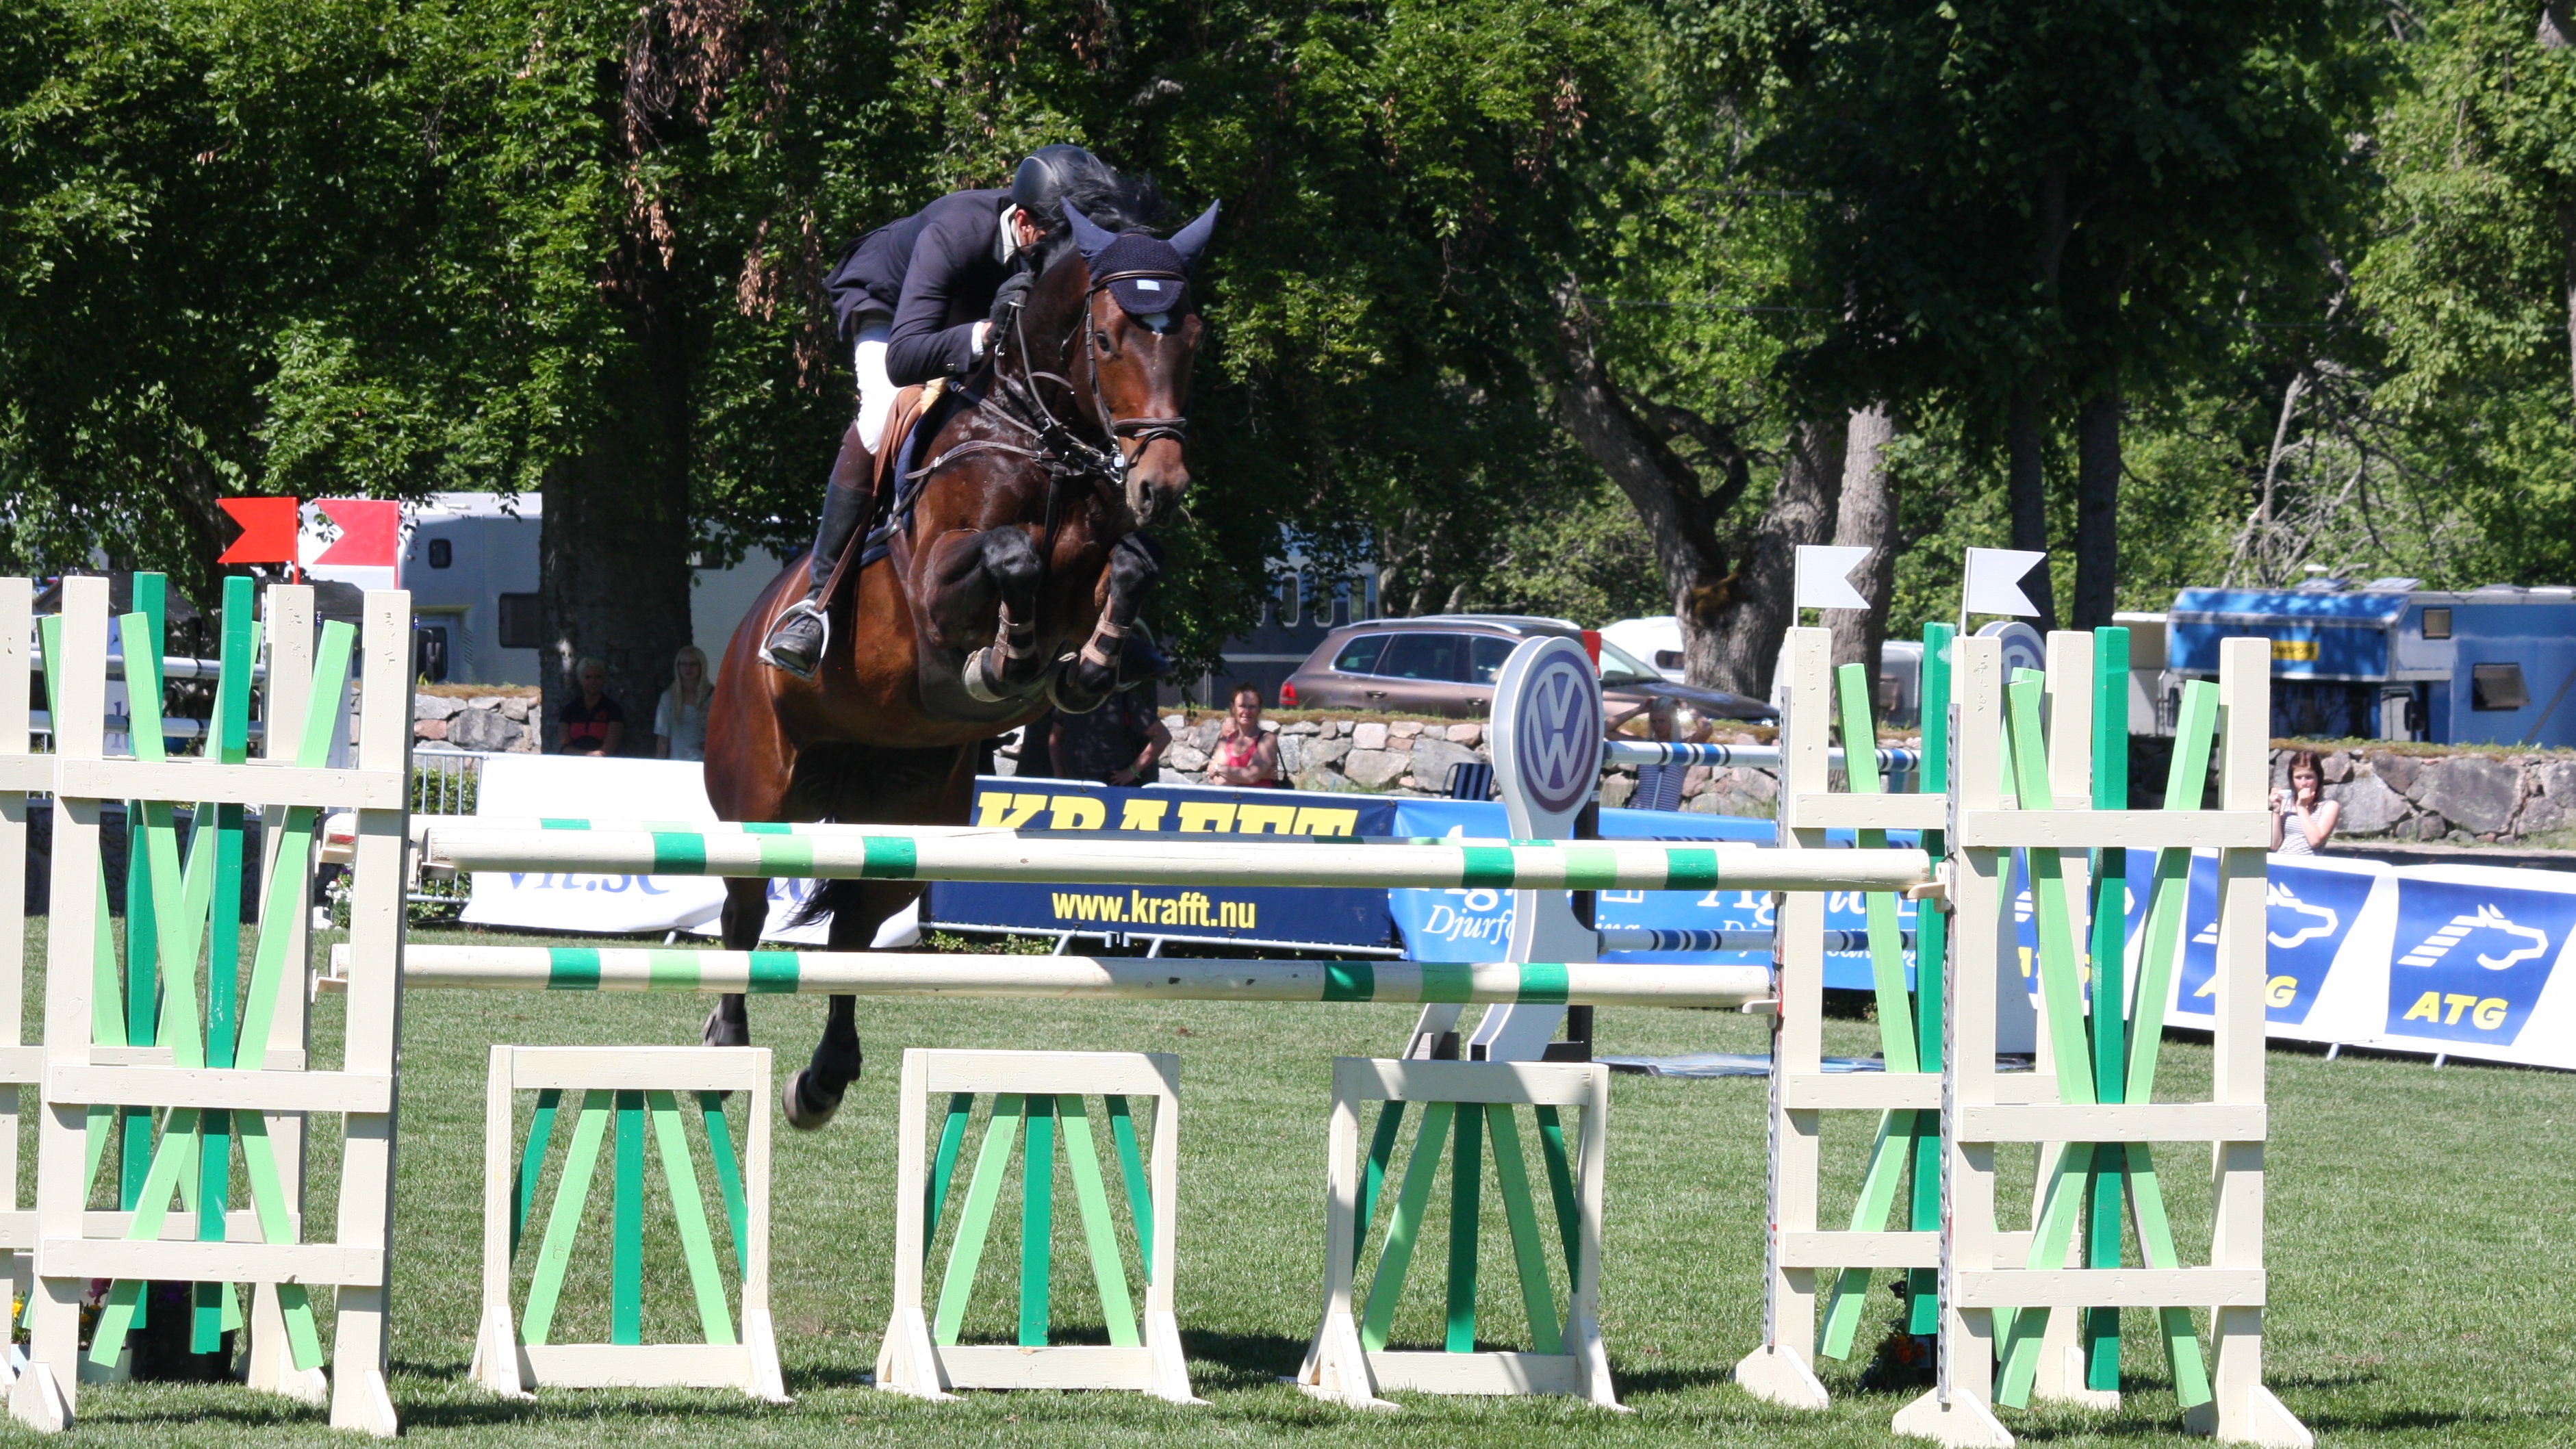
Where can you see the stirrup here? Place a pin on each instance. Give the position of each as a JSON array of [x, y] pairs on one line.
[[822, 618]]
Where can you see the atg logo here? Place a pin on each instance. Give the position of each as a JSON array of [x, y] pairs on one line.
[[2308, 913], [2472, 959], [1556, 730]]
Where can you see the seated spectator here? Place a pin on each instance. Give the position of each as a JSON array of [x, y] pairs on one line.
[[2302, 819], [680, 720], [593, 724], [1120, 743], [1245, 754]]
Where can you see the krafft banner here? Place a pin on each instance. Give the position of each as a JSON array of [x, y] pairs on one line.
[[1305, 916]]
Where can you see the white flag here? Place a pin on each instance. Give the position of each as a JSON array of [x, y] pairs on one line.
[[1824, 577], [1994, 582]]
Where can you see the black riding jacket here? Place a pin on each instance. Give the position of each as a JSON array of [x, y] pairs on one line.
[[935, 273]]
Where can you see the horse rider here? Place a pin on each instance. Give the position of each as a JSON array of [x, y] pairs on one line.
[[922, 298]]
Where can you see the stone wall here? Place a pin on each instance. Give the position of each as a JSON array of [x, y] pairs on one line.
[[2488, 798], [498, 722]]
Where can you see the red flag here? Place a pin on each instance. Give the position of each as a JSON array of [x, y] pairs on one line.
[[370, 532], [268, 528]]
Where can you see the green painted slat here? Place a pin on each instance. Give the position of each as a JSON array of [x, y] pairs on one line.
[[1850, 1295], [789, 856], [952, 1134], [174, 1161], [2156, 1245], [1350, 981], [728, 1173], [1511, 1177], [1886, 940], [2018, 1333], [1099, 1233], [1560, 1184], [214, 1181], [1466, 1178], [1131, 1173], [1448, 981], [2108, 948], [144, 690], [675, 853], [689, 1208], [983, 1190], [106, 973], [1390, 1122], [276, 1225], [1931, 958], [626, 1224], [1397, 1256], [772, 973], [532, 1163], [1037, 1221], [668, 969], [563, 1220], [2060, 992], [228, 740], [2195, 734]]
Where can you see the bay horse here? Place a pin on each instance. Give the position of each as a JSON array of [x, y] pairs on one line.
[[1008, 582]]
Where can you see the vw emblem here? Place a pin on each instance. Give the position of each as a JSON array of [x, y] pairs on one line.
[[1556, 729]]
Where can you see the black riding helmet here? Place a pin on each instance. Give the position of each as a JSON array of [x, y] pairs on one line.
[[1048, 172]]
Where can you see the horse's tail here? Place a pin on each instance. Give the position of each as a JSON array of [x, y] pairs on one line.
[[829, 896]]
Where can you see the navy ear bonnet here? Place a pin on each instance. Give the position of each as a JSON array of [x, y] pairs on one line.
[[1147, 274]]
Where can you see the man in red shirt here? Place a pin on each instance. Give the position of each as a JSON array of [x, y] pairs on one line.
[[593, 724]]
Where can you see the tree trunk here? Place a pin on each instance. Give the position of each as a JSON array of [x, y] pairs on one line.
[[615, 543], [2567, 244], [2097, 510], [1743, 635], [1866, 518], [2029, 491]]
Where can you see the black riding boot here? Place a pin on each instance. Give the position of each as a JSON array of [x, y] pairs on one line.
[[796, 644]]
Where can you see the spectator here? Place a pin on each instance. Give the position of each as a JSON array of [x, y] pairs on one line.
[[1120, 743], [1245, 754], [2302, 820], [680, 720], [594, 724]]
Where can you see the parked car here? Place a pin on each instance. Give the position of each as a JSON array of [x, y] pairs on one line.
[[1445, 664], [1656, 640]]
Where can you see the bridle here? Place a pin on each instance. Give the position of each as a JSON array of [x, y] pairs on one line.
[[1066, 454]]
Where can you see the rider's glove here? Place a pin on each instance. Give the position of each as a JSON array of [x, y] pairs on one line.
[[1013, 291]]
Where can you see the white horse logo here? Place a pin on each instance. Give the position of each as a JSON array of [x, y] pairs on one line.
[[2439, 944], [2281, 897]]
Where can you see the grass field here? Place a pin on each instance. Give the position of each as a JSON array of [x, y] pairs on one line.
[[2420, 1239]]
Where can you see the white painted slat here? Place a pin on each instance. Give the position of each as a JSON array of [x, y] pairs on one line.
[[2109, 1288], [243, 1091], [1088, 1073], [636, 1365], [2114, 1122], [1061, 1366], [2103, 829], [1546, 1084], [1861, 1092], [318, 1264], [1836, 811], [259, 782], [27, 772], [1477, 1373], [1860, 1250], [677, 1069]]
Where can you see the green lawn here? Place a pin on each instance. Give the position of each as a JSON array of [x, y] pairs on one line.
[[2420, 1223]]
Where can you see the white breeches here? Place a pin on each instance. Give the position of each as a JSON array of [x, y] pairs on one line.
[[876, 390]]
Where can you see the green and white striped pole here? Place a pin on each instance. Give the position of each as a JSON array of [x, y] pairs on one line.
[[884, 853], [894, 973]]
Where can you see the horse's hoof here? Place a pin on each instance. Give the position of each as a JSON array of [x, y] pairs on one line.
[[803, 1115], [722, 1032]]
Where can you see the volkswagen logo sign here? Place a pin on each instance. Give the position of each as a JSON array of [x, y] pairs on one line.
[[1549, 701]]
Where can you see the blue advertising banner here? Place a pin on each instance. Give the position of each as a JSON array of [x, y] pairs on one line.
[[1298, 915], [2310, 912], [1474, 925], [2471, 959]]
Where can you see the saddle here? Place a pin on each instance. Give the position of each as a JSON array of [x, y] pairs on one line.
[[890, 502]]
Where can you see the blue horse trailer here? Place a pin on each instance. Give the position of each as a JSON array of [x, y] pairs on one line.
[[2387, 660]]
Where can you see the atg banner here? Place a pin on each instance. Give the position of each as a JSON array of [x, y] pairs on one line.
[[2461, 960], [1303, 916]]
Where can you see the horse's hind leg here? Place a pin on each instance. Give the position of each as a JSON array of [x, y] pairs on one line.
[[746, 910], [858, 909]]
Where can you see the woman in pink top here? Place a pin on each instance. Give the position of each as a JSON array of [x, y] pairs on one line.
[[1245, 753]]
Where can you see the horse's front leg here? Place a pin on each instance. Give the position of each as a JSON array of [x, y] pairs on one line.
[[746, 911], [999, 566], [1135, 565]]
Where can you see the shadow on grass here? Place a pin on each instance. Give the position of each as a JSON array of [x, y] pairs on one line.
[[1240, 1360]]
